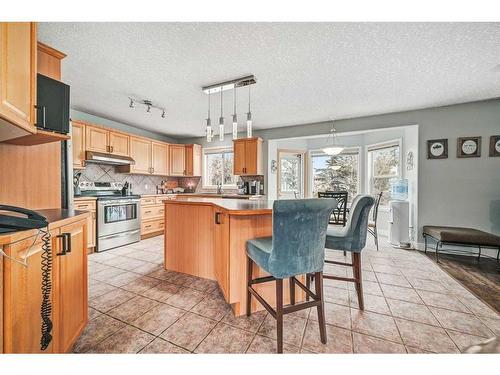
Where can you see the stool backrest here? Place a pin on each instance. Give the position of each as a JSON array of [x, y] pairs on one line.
[[357, 224], [299, 233]]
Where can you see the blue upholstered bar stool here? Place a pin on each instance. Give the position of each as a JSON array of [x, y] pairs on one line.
[[297, 247], [350, 238]]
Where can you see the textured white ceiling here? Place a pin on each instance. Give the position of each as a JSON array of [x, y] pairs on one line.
[[307, 72]]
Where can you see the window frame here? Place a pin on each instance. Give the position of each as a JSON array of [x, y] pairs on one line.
[[369, 163], [352, 150], [214, 150]]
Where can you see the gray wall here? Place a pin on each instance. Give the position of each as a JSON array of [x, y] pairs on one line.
[[78, 115], [461, 192]]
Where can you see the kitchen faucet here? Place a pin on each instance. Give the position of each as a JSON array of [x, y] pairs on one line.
[[219, 188]]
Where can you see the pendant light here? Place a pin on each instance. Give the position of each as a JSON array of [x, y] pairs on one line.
[[333, 148], [249, 117], [221, 120], [209, 122], [235, 118]]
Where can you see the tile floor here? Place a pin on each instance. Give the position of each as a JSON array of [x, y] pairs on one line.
[[411, 306]]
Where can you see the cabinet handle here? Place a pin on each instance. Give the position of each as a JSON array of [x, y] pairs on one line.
[[68, 242], [43, 114], [152, 170], [63, 236], [217, 218], [147, 226], [147, 212], [111, 148]]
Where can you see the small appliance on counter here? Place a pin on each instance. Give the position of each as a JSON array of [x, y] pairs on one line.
[[253, 187]]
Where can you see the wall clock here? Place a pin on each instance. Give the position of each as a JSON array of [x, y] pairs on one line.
[[468, 147], [437, 149], [495, 145]]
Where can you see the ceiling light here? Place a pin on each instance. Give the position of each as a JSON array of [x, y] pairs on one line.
[[148, 104], [209, 123], [131, 105], [249, 117], [221, 120], [235, 118], [163, 114], [333, 148]]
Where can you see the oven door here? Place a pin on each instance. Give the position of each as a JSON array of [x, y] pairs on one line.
[[117, 216]]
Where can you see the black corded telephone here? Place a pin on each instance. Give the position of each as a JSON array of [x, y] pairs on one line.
[[10, 223]]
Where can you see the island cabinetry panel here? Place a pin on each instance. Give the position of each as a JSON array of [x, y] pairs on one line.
[[221, 250]]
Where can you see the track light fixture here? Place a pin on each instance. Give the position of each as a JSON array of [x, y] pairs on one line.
[[229, 85], [149, 105]]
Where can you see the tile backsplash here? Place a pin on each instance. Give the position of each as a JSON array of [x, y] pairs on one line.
[[141, 184]]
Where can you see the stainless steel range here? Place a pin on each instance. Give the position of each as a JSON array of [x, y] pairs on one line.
[[118, 215]]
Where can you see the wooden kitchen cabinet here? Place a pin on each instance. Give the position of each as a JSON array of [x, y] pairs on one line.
[[159, 158], [119, 143], [247, 157], [177, 157], [18, 68], [20, 328], [192, 160], [152, 216], [89, 205], [140, 151], [70, 286], [221, 248], [78, 144], [96, 139]]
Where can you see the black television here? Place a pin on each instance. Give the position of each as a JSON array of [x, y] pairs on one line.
[[52, 105]]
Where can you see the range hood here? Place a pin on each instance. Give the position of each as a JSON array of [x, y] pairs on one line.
[[103, 158]]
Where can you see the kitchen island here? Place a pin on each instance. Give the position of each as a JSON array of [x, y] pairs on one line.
[[206, 237]]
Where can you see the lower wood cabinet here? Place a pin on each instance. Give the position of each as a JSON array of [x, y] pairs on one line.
[[89, 205], [22, 296], [152, 216]]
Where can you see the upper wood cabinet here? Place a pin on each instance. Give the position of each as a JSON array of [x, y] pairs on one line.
[[159, 158], [140, 151], [247, 156], [78, 144], [177, 159], [18, 52], [192, 160], [108, 141]]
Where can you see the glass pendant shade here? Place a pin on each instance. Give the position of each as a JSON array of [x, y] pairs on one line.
[[249, 125], [235, 127], [221, 128], [333, 148], [209, 131]]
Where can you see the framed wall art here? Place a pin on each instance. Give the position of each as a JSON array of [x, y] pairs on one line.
[[437, 149], [495, 145], [468, 147]]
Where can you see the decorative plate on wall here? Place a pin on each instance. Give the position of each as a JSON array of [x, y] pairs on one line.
[[437, 149], [495, 145], [468, 147]]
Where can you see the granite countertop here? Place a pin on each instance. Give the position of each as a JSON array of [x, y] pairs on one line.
[[232, 206], [56, 218]]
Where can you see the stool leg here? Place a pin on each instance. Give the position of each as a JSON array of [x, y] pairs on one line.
[[479, 255], [425, 246], [308, 284], [437, 252], [292, 291], [356, 268], [318, 286], [279, 314], [249, 285]]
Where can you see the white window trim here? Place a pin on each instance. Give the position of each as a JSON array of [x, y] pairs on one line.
[[353, 150], [213, 150], [378, 146]]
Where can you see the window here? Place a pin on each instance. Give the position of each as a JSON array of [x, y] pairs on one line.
[[290, 172], [384, 165], [336, 173], [218, 167]]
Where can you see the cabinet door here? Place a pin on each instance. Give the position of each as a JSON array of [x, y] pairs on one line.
[[188, 160], [251, 155], [177, 160], [239, 157], [78, 144], [18, 73], [96, 139], [140, 151], [71, 285], [119, 144], [22, 299], [159, 158]]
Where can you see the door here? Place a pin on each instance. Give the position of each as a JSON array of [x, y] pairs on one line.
[[96, 139], [140, 151], [251, 159], [22, 298], [177, 160], [159, 158], [78, 144], [18, 73], [291, 174], [119, 144], [239, 158], [70, 266]]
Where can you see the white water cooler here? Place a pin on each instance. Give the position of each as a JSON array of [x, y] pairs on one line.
[[399, 223]]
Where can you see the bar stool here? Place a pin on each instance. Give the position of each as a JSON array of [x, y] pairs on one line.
[[351, 238], [297, 247]]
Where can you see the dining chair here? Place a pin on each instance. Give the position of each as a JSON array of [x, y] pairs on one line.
[[296, 247], [339, 214], [351, 238], [372, 224]]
